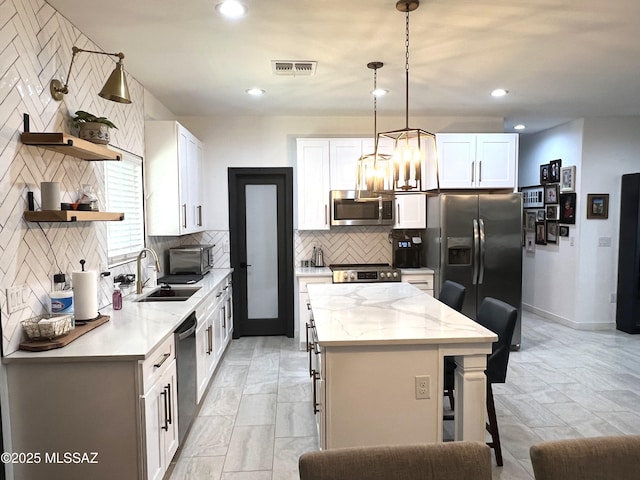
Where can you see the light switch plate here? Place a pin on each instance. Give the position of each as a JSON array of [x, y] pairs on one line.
[[17, 298]]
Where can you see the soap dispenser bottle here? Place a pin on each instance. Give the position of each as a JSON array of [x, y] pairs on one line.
[[117, 297]]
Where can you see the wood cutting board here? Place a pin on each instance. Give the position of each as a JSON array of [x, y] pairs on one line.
[[43, 345]]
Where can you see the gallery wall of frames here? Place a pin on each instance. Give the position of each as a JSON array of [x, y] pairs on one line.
[[550, 207]]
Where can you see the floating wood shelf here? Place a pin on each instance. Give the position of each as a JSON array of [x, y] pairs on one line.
[[69, 145], [72, 216]]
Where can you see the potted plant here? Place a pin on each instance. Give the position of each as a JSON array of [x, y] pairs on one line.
[[91, 128]]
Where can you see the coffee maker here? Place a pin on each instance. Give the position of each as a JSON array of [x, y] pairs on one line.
[[407, 248]]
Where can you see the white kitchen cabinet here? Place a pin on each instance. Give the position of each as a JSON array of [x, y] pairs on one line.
[[160, 409], [343, 162], [205, 348], [173, 173], [313, 183], [302, 311], [411, 211], [125, 410], [479, 161], [227, 318], [421, 278]]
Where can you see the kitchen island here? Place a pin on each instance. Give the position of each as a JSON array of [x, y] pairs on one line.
[[105, 406], [377, 358]]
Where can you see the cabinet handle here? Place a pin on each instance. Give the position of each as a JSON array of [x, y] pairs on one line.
[[164, 359], [164, 403], [480, 171], [224, 316], [308, 305], [398, 214], [325, 214], [209, 340], [199, 215], [473, 168], [316, 377], [170, 409], [184, 215], [219, 293]]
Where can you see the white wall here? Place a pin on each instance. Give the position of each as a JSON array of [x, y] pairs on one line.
[[611, 148], [270, 142], [573, 284]]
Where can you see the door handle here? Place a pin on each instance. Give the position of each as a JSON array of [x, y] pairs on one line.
[[476, 251], [244, 265], [481, 253]]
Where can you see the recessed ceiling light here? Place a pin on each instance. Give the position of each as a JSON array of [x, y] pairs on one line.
[[232, 8], [256, 92], [519, 127], [499, 92], [379, 92]]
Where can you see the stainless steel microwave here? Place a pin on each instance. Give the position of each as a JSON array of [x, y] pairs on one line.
[[346, 210], [194, 259]]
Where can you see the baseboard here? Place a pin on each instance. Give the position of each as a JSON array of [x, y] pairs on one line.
[[567, 322]]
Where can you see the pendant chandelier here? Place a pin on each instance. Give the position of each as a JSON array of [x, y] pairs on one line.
[[375, 173], [413, 148]]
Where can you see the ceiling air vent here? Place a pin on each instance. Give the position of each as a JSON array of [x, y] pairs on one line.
[[282, 67]]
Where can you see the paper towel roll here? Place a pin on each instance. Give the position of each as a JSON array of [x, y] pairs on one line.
[[50, 195], [85, 294]]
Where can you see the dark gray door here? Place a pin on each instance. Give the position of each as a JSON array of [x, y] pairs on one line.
[[261, 237]]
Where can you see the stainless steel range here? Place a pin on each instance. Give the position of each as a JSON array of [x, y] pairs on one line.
[[365, 273]]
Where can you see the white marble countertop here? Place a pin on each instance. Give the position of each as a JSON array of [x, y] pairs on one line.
[[408, 271], [386, 314], [313, 272], [131, 333]]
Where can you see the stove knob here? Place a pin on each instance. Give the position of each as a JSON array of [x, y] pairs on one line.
[[353, 276], [395, 274], [344, 275]]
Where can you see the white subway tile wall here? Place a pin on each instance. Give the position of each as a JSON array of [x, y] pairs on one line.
[[36, 43]]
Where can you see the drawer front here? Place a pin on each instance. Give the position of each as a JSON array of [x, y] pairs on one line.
[[157, 362], [422, 281]]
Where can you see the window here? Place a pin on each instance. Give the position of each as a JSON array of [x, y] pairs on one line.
[[123, 186]]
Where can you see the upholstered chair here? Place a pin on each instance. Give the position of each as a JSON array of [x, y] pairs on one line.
[[595, 458], [500, 318], [434, 461], [452, 295]]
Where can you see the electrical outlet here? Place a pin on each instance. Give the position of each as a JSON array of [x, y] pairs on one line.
[[17, 298], [225, 246], [423, 387]]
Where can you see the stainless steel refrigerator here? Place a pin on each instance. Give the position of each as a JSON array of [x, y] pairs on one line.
[[476, 240]]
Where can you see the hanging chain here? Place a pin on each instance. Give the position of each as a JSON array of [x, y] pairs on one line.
[[406, 71], [375, 106]]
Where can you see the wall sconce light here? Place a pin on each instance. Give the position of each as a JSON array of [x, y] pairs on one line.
[[116, 88]]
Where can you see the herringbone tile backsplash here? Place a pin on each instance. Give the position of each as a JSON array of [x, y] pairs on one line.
[[36, 43], [345, 245]]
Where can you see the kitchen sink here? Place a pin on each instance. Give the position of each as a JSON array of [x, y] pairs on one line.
[[171, 294]]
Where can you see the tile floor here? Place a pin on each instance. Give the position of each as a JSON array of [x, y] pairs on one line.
[[256, 418]]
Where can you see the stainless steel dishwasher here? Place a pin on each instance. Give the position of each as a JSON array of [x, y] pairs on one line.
[[186, 365]]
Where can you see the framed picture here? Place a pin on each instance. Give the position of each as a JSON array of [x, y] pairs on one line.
[[544, 173], [563, 231], [554, 170], [541, 233], [552, 232], [552, 212], [533, 197], [568, 208], [530, 242], [530, 225], [568, 179], [541, 215], [598, 205], [550, 193]]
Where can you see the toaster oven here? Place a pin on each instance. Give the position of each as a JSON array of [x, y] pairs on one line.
[[193, 259]]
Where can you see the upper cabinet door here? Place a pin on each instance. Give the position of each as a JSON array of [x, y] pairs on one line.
[[496, 156], [456, 160], [344, 155], [411, 211], [313, 184]]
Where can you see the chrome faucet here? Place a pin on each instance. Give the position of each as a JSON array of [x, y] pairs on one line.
[[139, 278]]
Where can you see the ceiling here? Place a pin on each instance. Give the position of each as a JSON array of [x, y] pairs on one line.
[[559, 59]]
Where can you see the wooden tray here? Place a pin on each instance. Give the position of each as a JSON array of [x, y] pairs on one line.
[[42, 345]]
